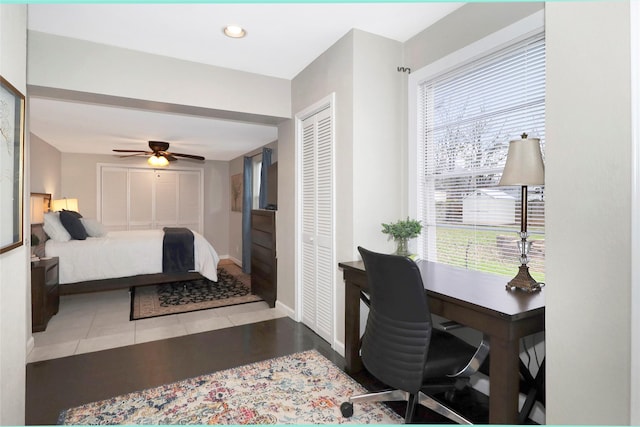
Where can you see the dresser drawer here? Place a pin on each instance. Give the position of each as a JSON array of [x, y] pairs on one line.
[[263, 255]]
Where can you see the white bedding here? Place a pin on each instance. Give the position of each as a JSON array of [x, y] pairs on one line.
[[122, 254]]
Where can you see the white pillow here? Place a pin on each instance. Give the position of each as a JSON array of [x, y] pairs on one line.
[[54, 228], [93, 227]]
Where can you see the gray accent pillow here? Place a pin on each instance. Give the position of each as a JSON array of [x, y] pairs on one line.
[[71, 221]]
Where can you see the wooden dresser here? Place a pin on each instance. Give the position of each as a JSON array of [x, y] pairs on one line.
[[263, 255]]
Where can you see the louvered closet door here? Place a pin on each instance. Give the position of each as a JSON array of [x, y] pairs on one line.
[[166, 199], [140, 199], [114, 199], [137, 198], [317, 224]]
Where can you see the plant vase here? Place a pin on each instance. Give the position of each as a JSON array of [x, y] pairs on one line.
[[402, 246]]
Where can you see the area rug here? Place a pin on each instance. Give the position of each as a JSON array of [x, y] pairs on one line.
[[200, 294], [302, 388]]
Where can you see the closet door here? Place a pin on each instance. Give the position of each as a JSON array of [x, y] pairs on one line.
[[318, 263], [114, 199], [137, 198], [141, 199], [166, 192]]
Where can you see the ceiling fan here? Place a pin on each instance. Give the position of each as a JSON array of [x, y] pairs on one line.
[[159, 156]]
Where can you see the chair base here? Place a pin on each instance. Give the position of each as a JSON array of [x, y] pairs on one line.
[[397, 396]]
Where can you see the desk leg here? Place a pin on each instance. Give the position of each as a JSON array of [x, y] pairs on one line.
[[504, 381], [352, 328]]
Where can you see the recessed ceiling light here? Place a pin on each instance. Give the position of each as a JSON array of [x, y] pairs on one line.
[[234, 31]]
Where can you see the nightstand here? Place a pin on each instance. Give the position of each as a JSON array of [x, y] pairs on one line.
[[45, 295]]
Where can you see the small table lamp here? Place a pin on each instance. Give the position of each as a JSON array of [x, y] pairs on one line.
[[66, 204], [524, 167]]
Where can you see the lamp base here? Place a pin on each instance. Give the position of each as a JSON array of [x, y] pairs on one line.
[[524, 281]]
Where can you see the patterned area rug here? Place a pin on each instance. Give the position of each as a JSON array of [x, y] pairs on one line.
[[302, 388], [232, 288]]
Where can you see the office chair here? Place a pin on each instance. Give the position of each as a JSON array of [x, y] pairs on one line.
[[401, 348]]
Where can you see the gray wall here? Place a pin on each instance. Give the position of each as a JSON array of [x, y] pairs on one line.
[[44, 168], [588, 181], [361, 70], [462, 27], [15, 295], [66, 64]]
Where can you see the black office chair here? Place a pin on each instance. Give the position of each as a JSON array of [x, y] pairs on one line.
[[401, 348]]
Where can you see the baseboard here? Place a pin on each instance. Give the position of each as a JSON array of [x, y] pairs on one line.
[[236, 261], [337, 346], [286, 309]]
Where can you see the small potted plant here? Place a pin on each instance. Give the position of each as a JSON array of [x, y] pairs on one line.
[[401, 232]]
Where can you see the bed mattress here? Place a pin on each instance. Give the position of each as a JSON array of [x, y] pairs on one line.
[[122, 254]]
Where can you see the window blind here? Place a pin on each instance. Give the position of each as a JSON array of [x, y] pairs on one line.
[[467, 116]]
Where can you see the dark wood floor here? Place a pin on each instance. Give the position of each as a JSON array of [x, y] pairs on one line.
[[58, 384]]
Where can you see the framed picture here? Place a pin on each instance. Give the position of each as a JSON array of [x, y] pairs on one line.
[[236, 192], [11, 165]]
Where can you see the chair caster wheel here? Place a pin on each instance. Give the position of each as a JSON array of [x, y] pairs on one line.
[[347, 409]]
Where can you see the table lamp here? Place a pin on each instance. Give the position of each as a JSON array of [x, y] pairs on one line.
[[66, 204], [524, 167]]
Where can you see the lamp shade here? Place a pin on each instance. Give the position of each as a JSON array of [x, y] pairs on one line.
[[66, 204], [37, 210], [524, 164]]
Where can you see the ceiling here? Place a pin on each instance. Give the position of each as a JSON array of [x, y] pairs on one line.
[[193, 32]]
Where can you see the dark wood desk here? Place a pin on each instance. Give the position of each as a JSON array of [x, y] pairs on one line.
[[475, 299]]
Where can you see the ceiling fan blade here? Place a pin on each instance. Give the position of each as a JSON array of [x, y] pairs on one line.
[[188, 156], [132, 155], [131, 151], [169, 157]]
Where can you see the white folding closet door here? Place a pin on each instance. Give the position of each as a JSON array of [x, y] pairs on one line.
[[136, 198], [114, 203], [166, 199], [317, 262], [140, 199]]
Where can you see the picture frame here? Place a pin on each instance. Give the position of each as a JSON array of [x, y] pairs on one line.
[[236, 193], [12, 103]]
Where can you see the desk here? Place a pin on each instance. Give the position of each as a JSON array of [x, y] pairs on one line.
[[471, 298]]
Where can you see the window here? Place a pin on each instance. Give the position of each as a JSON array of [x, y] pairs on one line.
[[257, 170], [465, 120]]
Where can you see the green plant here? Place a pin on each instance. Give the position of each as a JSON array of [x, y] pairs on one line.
[[403, 229]]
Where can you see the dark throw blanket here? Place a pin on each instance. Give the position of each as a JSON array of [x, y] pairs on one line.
[[177, 250]]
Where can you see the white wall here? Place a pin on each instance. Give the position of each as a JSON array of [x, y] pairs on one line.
[[15, 320], [588, 213], [77, 65]]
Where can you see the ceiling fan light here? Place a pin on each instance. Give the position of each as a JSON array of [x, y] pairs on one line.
[[234, 31], [157, 161]]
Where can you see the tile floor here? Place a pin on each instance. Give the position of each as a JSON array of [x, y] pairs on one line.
[[100, 320]]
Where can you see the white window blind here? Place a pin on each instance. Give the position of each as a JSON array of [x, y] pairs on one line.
[[466, 118]]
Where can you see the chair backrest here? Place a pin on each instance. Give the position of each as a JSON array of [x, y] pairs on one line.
[[396, 339]]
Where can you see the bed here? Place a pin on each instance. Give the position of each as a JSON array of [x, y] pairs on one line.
[[118, 259]]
